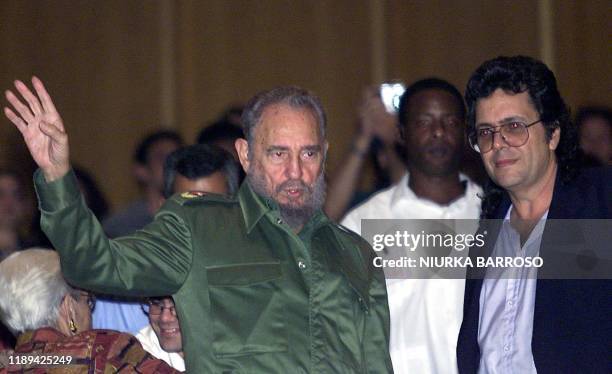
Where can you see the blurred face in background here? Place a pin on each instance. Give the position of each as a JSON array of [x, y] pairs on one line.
[[12, 201], [156, 157], [596, 138]]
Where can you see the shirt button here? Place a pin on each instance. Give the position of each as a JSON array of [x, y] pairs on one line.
[[510, 303], [301, 265], [279, 221], [506, 348]]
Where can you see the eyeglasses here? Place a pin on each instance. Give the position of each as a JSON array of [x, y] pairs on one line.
[[90, 298], [515, 134], [156, 307]]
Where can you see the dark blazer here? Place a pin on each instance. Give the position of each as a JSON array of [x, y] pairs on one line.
[[572, 322]]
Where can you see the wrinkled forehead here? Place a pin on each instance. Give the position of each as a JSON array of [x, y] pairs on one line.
[[282, 123], [503, 106]]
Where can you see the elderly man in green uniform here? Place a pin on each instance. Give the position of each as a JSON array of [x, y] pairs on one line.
[[263, 282]]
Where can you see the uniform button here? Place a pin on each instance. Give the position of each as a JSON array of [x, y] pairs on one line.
[[279, 221], [301, 265], [510, 303], [506, 348]]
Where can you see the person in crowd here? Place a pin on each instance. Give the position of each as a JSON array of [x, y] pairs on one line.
[[519, 123], [426, 313], [376, 138], [13, 213], [194, 169], [200, 168], [149, 158], [14, 233], [223, 133], [125, 314], [263, 282], [53, 322], [162, 337], [595, 133]]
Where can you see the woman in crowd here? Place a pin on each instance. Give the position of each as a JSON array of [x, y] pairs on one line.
[[52, 322]]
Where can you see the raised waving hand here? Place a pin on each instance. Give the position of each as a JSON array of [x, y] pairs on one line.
[[41, 126]]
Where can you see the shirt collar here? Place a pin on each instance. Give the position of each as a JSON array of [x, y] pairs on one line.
[[403, 190], [255, 206]]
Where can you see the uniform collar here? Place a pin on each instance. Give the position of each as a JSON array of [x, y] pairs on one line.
[[255, 206]]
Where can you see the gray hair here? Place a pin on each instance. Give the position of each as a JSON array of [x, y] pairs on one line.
[[32, 288], [293, 96]]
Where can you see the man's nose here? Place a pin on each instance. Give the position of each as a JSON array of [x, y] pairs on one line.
[[438, 128], [294, 169], [167, 314], [498, 140]]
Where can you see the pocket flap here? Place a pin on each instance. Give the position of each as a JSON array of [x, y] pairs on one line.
[[243, 274]]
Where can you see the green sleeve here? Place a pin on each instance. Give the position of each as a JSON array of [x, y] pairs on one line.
[[153, 261], [376, 344]]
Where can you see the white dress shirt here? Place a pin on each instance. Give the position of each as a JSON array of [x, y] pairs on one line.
[[150, 343], [507, 303], [426, 314]]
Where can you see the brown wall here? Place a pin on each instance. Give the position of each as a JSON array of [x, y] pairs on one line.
[[120, 68]]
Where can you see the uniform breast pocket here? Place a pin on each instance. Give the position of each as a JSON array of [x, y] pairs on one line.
[[247, 309]]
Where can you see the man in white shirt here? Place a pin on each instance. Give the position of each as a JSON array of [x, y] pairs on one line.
[[426, 313]]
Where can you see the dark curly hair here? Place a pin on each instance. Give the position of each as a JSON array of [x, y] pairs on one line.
[[519, 74]]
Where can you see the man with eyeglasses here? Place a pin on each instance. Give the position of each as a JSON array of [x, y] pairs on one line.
[[162, 338], [520, 125]]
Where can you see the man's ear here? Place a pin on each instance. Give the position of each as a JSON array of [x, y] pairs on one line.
[[554, 139], [66, 309], [325, 149], [242, 146], [141, 173]]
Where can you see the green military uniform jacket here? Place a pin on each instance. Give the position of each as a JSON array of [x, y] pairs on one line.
[[251, 295]]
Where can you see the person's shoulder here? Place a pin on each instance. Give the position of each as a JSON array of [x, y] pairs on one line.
[[347, 233], [197, 198], [196, 201], [352, 240], [370, 207]]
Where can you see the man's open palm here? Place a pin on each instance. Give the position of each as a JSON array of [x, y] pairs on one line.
[[42, 128]]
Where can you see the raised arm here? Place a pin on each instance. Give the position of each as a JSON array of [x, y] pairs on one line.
[[41, 127], [374, 121], [153, 261]]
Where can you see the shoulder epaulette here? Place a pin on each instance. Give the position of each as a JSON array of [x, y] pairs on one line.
[[199, 197]]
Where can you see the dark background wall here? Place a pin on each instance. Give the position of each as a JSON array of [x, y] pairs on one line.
[[118, 69]]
